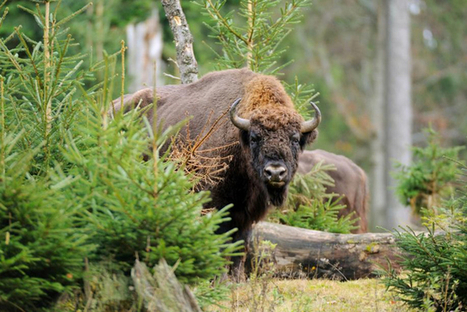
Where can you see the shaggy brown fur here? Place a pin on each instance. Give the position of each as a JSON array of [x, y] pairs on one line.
[[263, 91], [273, 138], [350, 182]]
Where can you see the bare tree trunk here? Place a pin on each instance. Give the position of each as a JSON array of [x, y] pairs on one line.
[[145, 45], [301, 252], [183, 41], [398, 107], [378, 182]]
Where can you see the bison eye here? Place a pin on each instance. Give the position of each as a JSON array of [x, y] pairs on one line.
[[254, 137], [295, 138]]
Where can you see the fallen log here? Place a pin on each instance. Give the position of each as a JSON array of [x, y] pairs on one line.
[[307, 253]]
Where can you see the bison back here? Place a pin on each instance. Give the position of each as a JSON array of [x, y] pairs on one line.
[[350, 182]]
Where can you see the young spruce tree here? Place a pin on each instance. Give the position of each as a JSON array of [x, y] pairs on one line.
[[435, 261], [75, 187]]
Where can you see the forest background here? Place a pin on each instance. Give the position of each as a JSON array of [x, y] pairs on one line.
[[335, 49], [76, 161]]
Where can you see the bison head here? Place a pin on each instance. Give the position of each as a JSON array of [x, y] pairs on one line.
[[272, 139]]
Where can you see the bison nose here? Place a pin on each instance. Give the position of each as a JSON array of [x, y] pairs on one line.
[[275, 173]]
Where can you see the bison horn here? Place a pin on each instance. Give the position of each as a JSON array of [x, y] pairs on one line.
[[241, 123], [310, 125]]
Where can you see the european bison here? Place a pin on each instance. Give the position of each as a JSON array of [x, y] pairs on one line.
[[349, 182], [258, 131]]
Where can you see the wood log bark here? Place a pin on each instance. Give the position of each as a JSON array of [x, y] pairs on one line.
[[307, 253], [162, 292], [183, 41]]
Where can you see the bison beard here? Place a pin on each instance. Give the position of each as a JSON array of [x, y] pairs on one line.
[[259, 137], [277, 195]]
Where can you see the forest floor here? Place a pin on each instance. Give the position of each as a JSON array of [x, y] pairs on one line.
[[303, 295]]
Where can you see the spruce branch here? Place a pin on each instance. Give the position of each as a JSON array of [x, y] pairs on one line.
[[4, 13], [122, 90], [218, 16], [28, 52], [13, 60], [2, 125], [47, 98], [71, 16]]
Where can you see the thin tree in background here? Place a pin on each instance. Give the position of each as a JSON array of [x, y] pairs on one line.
[[183, 38], [145, 44], [378, 181], [397, 106]]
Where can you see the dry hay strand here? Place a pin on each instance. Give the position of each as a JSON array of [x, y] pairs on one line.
[[203, 166], [206, 211]]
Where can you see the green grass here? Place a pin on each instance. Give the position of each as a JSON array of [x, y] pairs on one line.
[[310, 295]]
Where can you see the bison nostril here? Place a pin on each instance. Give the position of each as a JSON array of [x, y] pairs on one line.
[[275, 173]]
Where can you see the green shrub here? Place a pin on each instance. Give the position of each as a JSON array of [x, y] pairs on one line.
[[430, 178], [75, 184], [41, 253], [435, 263], [41, 250]]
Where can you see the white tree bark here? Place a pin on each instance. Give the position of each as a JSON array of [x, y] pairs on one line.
[[144, 56], [398, 108]]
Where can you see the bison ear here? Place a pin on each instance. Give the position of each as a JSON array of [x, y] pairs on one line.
[[308, 138]]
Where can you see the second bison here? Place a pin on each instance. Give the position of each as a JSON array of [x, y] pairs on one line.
[[350, 184]]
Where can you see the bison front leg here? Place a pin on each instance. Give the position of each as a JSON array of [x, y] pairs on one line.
[[237, 268], [237, 265]]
